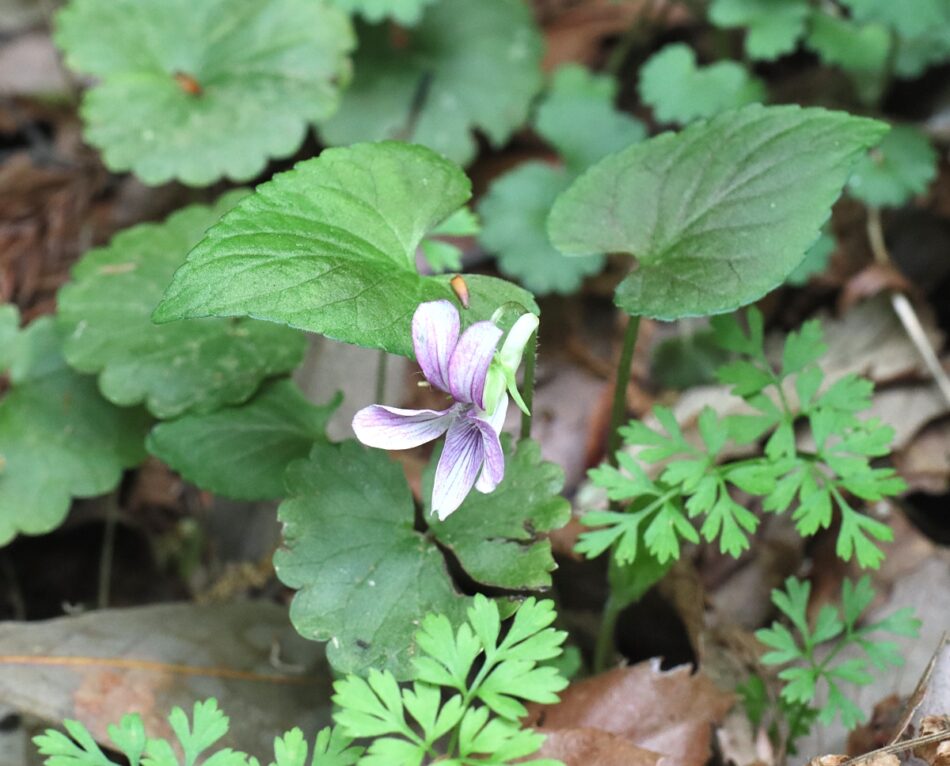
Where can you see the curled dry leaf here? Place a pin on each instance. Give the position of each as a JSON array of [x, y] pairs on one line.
[[668, 712]]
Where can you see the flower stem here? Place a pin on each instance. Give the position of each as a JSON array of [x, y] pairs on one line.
[[604, 649], [381, 377], [619, 410], [527, 390]]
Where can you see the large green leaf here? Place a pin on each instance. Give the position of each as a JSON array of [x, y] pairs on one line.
[[466, 66], [330, 247], [58, 437], [402, 11], [719, 214], [365, 577], [243, 452], [9, 327], [198, 365], [680, 91], [195, 90], [499, 538]]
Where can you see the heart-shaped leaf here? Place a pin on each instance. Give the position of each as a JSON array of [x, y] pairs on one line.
[[198, 365], [243, 452], [330, 247], [350, 547], [199, 90], [717, 215], [680, 91], [406, 12], [466, 66], [58, 437]]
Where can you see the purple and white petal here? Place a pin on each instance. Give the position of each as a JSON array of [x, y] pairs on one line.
[[435, 332], [493, 470], [469, 364], [458, 467], [497, 419], [394, 428]]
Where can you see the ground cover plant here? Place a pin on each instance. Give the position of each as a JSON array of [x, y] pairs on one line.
[[461, 370]]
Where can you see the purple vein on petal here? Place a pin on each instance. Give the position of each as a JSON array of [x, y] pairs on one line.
[[458, 466], [393, 428], [470, 361], [493, 456], [435, 332]]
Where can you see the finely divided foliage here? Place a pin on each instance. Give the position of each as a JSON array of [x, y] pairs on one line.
[[463, 706], [809, 657], [811, 482], [717, 215]]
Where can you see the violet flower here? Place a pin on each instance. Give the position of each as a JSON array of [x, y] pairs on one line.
[[468, 368]]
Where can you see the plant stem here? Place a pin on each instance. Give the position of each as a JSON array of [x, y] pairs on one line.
[[604, 649], [381, 376], [527, 391], [619, 410], [107, 552]]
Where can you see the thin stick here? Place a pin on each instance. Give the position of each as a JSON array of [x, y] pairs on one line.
[[619, 409], [904, 309], [527, 392], [107, 552], [899, 746]]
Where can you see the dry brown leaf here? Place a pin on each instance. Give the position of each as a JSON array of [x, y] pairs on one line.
[[870, 281], [594, 747], [925, 463], [669, 712], [932, 752], [828, 760], [98, 666]]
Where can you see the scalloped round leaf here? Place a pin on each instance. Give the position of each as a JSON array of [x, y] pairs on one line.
[[717, 215], [330, 247], [772, 29], [406, 12], [243, 452], [513, 213], [909, 18], [499, 538], [197, 365], [579, 119], [350, 547], [59, 438], [902, 166], [680, 91], [861, 48], [195, 91], [466, 67]]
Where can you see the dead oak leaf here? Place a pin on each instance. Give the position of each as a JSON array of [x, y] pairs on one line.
[[668, 712]]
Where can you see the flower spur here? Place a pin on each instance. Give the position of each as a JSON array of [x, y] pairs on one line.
[[467, 367]]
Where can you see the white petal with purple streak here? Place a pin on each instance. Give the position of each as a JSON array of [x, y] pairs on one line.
[[469, 364], [393, 428], [435, 333], [458, 467]]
